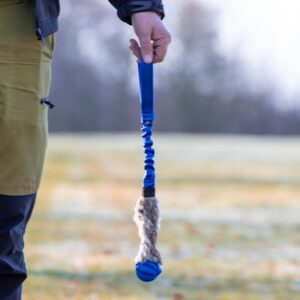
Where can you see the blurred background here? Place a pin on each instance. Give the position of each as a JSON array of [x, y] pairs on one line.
[[227, 111], [232, 68]]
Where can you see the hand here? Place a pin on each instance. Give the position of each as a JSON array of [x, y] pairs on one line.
[[153, 37]]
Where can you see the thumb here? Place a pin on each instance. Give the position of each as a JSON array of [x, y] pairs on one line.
[[147, 48]]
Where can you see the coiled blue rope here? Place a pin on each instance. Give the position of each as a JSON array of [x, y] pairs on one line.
[[149, 177]]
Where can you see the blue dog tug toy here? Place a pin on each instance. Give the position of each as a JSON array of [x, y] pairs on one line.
[[146, 213]]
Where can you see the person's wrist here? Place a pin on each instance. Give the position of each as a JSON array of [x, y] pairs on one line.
[[151, 12]]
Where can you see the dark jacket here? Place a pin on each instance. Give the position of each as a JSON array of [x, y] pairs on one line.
[[47, 12]]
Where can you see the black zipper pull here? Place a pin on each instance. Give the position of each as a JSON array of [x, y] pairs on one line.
[[38, 32], [46, 101]]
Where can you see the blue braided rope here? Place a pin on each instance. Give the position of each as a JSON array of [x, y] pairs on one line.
[[149, 176]]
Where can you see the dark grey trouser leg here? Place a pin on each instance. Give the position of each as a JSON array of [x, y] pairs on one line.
[[15, 212]]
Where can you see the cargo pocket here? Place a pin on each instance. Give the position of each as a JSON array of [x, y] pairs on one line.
[[25, 77], [47, 44]]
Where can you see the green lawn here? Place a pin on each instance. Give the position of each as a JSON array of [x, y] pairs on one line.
[[230, 213]]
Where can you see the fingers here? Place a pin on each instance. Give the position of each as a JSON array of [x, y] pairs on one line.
[[160, 51], [143, 23], [160, 46], [152, 35], [152, 52], [146, 47], [135, 49]]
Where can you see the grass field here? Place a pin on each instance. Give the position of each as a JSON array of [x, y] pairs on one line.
[[230, 213]]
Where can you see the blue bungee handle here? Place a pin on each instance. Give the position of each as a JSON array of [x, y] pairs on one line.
[[147, 117]]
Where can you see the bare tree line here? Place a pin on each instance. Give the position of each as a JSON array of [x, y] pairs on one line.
[[201, 91]]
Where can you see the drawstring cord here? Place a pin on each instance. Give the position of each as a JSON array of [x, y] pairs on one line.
[[46, 101]]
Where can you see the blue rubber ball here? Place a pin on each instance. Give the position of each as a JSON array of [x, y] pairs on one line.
[[148, 270]]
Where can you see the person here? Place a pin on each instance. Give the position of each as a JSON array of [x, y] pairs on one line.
[[27, 33]]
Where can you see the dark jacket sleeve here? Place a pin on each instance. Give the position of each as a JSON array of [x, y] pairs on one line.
[[125, 8]]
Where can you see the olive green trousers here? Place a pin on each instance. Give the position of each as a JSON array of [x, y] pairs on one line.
[[25, 78]]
